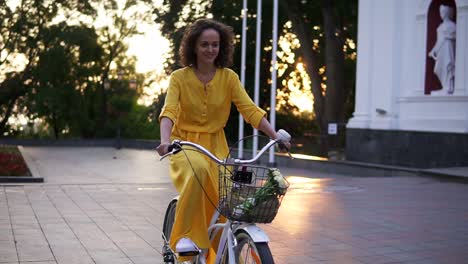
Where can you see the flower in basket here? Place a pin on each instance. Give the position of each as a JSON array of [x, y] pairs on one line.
[[280, 181], [275, 186]]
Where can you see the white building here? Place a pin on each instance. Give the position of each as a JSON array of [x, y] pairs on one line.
[[397, 120]]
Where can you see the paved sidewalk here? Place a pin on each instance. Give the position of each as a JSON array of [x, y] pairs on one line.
[[100, 205]]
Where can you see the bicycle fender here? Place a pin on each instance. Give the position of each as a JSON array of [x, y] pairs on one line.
[[255, 232]]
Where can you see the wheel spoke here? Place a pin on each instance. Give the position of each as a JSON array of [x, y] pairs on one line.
[[255, 256], [244, 256], [249, 254]]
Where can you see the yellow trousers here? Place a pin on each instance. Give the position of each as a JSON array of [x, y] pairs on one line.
[[196, 179]]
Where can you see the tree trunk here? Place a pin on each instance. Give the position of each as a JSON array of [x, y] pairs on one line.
[[7, 116], [334, 61], [55, 125], [11, 89], [301, 29]]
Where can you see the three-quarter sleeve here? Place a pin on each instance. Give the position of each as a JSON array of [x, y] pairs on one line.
[[248, 109], [171, 104]]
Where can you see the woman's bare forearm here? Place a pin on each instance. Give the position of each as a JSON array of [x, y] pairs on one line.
[[266, 128], [165, 129]]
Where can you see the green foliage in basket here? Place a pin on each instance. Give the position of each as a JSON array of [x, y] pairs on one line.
[[275, 186]]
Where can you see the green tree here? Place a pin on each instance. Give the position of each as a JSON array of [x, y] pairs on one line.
[[124, 24], [62, 78], [336, 21], [66, 62], [21, 31]]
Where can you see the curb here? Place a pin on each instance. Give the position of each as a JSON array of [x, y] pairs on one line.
[[446, 174], [361, 169], [357, 169], [105, 142], [20, 179]]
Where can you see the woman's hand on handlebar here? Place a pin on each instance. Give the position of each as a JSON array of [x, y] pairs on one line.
[[284, 138], [163, 148]]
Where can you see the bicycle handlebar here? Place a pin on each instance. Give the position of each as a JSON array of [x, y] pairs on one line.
[[176, 146]]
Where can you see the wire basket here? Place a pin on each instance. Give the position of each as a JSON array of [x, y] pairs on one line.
[[250, 193]]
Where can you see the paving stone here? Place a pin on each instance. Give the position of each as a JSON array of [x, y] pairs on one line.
[[375, 259], [8, 251], [113, 261], [72, 257], [106, 255], [32, 246], [38, 262], [147, 260], [6, 234], [34, 252]]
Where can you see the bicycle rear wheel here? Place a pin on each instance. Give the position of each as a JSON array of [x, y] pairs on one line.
[[249, 252]]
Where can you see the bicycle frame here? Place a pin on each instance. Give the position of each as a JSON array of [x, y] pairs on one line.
[[228, 233], [227, 237]]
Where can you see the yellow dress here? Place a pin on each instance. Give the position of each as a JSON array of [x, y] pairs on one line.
[[199, 113]]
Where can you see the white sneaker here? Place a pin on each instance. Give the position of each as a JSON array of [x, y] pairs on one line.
[[186, 245]]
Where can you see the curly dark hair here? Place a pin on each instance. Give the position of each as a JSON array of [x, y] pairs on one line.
[[192, 33]]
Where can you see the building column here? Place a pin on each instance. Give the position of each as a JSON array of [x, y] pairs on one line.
[[361, 116]]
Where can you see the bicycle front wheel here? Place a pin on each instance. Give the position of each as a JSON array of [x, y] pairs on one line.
[[249, 252]]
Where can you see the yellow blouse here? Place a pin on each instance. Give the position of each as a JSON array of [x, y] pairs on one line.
[[200, 112]]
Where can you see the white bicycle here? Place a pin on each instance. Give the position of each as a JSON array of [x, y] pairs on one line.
[[248, 194]]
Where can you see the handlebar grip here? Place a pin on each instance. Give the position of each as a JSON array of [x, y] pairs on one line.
[[283, 136]]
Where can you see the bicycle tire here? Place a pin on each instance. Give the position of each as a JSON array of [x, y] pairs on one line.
[[169, 219], [261, 253]]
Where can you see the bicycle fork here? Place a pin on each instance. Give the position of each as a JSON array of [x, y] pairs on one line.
[[231, 242]]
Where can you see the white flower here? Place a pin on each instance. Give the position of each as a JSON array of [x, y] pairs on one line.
[[275, 172], [281, 181], [278, 177]]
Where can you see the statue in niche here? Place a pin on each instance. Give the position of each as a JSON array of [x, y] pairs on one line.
[[443, 52]]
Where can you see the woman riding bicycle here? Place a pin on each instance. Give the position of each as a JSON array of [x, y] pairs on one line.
[[196, 109]]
